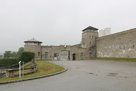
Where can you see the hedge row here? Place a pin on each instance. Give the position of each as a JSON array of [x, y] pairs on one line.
[[8, 62], [25, 57]]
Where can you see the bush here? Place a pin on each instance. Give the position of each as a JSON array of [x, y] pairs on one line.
[[27, 56], [8, 62]]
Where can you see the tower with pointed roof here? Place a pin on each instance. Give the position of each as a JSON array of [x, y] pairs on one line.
[[89, 36], [85, 50]]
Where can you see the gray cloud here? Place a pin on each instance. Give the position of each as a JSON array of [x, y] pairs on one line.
[[60, 21]]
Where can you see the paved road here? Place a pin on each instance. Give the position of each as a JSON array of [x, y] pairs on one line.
[[84, 76]]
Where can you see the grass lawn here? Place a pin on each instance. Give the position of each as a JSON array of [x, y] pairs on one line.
[[44, 68], [118, 59]]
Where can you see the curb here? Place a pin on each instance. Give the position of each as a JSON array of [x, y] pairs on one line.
[[14, 81]]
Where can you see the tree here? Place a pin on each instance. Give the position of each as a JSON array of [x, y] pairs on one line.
[[20, 51], [13, 54], [10, 54], [1, 56], [7, 54], [27, 56]]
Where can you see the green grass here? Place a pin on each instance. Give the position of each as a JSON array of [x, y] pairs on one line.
[[117, 59], [44, 68]]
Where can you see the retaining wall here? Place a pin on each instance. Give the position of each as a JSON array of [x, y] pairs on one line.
[[122, 44]]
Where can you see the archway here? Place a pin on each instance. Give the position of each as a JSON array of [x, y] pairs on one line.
[[73, 56]]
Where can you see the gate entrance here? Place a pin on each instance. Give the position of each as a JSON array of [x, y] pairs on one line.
[[73, 56], [64, 55]]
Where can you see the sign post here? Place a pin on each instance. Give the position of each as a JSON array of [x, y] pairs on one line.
[[23, 68], [19, 69]]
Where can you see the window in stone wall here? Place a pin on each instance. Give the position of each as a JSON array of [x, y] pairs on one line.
[[83, 41], [55, 54], [46, 55]]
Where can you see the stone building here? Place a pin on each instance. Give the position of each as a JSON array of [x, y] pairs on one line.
[[85, 50], [122, 44]]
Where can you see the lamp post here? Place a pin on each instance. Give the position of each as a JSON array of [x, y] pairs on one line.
[[19, 69]]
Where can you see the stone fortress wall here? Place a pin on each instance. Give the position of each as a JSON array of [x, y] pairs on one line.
[[121, 45], [63, 52], [82, 51]]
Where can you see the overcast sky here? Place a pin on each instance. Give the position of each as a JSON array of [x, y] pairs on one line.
[[57, 22]]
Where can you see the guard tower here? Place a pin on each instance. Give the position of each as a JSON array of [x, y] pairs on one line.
[[34, 46], [89, 36]]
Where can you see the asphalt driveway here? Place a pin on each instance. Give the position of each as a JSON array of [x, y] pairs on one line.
[[89, 75]]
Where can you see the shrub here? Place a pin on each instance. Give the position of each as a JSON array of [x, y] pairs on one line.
[[8, 62], [27, 56]]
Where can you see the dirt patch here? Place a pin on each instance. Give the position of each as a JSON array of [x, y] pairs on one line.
[[112, 74], [91, 73]]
